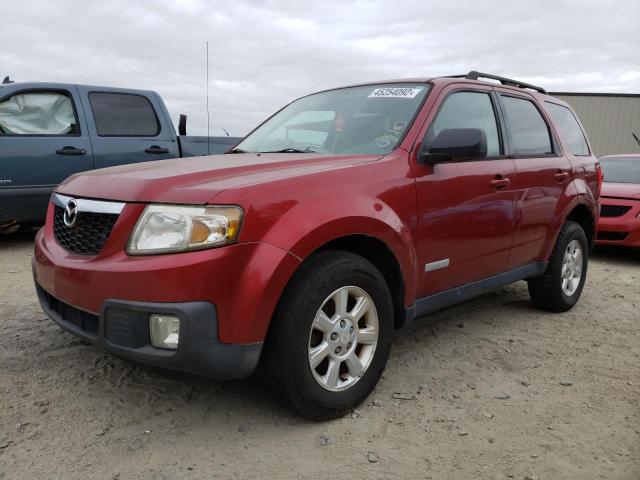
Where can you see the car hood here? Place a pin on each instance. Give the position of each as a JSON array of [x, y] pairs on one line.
[[196, 180], [621, 190]]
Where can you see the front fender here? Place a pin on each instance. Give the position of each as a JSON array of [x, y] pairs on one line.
[[306, 227]]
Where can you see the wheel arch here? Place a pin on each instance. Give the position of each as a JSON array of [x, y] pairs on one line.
[[583, 216], [374, 250], [383, 258], [583, 213]]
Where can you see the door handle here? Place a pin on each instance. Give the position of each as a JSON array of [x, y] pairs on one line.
[[156, 150], [71, 151], [561, 176], [500, 182]]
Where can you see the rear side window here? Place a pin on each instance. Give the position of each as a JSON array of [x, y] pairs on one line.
[[467, 110], [123, 115], [529, 133], [569, 128], [38, 113]]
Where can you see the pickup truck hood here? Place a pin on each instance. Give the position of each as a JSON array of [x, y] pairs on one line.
[[197, 180], [621, 190]]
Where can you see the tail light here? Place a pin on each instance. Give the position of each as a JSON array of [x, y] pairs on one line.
[[600, 177]]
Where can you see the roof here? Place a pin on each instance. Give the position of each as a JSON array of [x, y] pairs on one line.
[[56, 85], [595, 94], [471, 77], [622, 155]]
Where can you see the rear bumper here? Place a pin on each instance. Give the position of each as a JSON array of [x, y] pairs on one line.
[[623, 230], [122, 328]]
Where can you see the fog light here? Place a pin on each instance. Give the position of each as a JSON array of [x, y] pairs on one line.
[[165, 331]]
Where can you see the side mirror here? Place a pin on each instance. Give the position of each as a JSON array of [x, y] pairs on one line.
[[182, 125], [455, 144]]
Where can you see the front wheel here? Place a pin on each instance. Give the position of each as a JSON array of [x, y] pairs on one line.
[[331, 335], [559, 288]]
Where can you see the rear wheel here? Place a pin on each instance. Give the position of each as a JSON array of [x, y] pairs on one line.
[[331, 335], [559, 288]]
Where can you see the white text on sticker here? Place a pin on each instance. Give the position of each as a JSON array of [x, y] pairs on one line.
[[395, 93]]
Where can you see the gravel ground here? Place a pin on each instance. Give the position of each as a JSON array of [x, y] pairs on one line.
[[489, 389]]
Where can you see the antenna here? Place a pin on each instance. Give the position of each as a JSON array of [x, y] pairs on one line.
[[225, 131], [636, 137], [208, 117]]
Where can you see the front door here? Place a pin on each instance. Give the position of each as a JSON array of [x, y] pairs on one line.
[[43, 140], [465, 208]]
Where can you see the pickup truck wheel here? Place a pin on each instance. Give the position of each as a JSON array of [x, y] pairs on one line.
[[559, 288], [331, 336]]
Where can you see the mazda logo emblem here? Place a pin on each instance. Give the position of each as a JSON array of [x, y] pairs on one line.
[[70, 213]]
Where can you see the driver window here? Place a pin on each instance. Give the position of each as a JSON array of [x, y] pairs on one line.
[[308, 129], [38, 113], [467, 110]]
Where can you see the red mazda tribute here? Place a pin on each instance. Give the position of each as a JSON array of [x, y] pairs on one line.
[[343, 217]]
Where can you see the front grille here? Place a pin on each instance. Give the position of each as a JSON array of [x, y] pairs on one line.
[[88, 235], [613, 210], [612, 236], [87, 322]]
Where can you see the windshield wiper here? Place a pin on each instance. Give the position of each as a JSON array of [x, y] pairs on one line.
[[292, 150], [237, 150]]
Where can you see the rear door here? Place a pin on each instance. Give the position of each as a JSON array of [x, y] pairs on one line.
[[127, 127], [543, 175], [465, 208], [43, 140]]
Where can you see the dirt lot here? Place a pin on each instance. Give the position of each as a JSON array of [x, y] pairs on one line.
[[492, 389]]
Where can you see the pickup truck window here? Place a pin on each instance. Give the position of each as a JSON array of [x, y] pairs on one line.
[[529, 133], [38, 113], [356, 120], [123, 115], [468, 110], [569, 128]]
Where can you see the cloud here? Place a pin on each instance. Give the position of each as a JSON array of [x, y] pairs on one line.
[[263, 54]]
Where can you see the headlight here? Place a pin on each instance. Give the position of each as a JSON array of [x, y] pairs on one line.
[[173, 228]]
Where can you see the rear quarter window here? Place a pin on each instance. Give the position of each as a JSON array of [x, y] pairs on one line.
[[528, 132], [566, 122], [123, 115]]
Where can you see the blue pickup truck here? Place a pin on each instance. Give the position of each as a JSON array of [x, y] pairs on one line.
[[49, 131]]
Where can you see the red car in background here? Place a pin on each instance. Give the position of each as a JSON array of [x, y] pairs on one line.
[[620, 201]]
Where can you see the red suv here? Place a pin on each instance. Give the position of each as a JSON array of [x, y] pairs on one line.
[[343, 217]]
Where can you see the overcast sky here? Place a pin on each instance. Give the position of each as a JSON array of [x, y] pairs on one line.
[[263, 54]]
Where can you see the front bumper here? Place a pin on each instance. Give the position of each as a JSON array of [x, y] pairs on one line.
[[623, 230], [122, 328], [244, 281]]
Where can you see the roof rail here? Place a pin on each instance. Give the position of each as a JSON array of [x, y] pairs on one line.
[[473, 75]]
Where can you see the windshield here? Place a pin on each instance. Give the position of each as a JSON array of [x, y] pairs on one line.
[[621, 170], [355, 120]]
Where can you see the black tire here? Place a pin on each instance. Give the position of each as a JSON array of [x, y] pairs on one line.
[[287, 347], [546, 291]]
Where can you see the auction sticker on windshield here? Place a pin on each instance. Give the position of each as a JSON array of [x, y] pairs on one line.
[[395, 93]]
